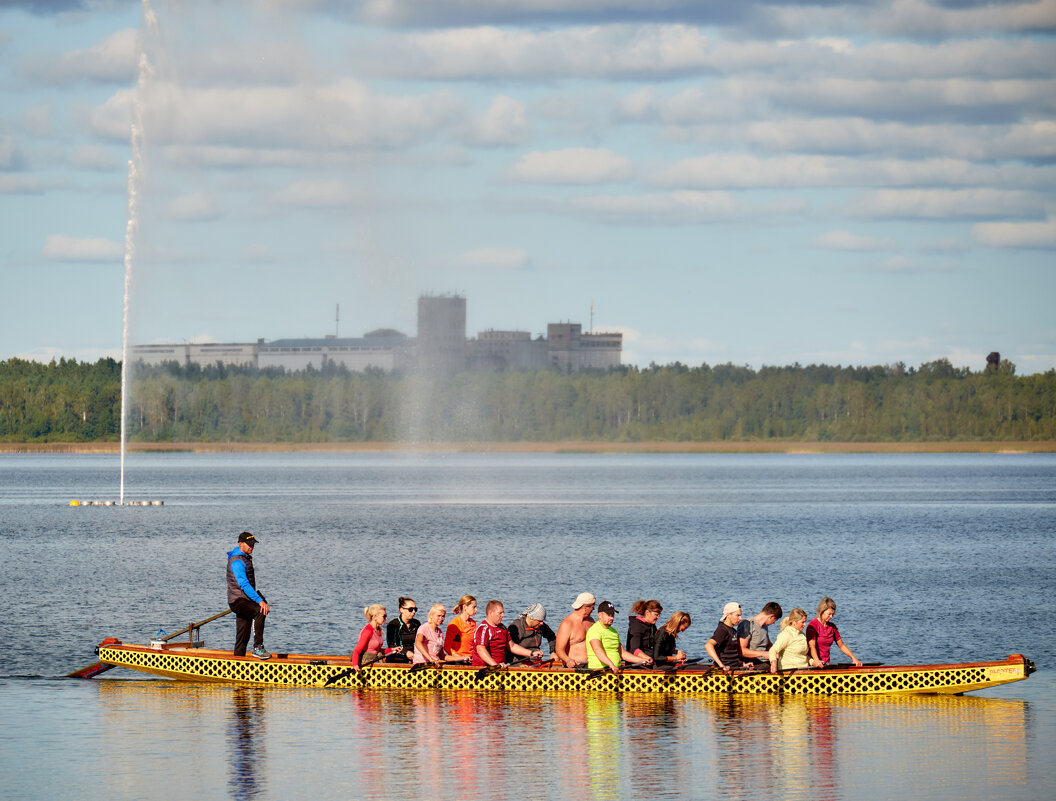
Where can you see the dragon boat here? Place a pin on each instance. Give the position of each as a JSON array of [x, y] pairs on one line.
[[191, 661]]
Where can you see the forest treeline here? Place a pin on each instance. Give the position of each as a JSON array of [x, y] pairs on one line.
[[69, 401]]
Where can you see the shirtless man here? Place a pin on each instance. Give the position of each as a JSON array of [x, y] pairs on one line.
[[571, 647]]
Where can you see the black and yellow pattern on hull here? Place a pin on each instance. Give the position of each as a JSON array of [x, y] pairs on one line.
[[303, 670]]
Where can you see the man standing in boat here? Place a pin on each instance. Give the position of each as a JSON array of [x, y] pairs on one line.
[[245, 600]]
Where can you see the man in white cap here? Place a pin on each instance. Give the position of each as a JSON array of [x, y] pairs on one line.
[[571, 643], [530, 629], [724, 647]]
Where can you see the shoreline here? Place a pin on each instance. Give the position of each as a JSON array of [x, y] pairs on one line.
[[532, 447]]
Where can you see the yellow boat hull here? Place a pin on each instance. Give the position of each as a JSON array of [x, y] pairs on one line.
[[306, 670]]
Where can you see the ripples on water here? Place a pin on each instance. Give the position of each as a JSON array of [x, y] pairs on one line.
[[931, 558]]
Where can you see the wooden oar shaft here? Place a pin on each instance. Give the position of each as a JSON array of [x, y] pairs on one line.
[[197, 625]]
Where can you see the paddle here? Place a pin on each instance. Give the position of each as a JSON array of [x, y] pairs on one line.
[[598, 672], [342, 674], [95, 669], [484, 671]]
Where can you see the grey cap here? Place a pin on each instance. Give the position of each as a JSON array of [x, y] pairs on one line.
[[536, 612]]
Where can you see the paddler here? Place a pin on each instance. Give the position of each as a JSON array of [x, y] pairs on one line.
[[571, 643], [245, 600], [530, 629], [724, 647], [491, 640], [604, 648]]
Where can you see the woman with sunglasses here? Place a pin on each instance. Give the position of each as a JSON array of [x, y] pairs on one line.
[[401, 631]]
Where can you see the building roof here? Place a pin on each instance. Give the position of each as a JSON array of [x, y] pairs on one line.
[[342, 342]]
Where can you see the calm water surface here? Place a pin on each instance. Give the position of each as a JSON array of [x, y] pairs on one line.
[[930, 558]]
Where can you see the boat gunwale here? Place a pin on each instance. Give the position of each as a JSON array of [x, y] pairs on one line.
[[340, 660]]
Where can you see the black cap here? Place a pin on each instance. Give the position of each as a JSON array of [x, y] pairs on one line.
[[245, 536], [608, 608]]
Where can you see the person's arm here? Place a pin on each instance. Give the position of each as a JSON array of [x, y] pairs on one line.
[[520, 650], [482, 647], [564, 634], [778, 648], [392, 633], [812, 647], [361, 646], [482, 651], [857, 662], [452, 639], [714, 654], [547, 634], [238, 569], [744, 637], [638, 658], [599, 651], [421, 648], [634, 636]]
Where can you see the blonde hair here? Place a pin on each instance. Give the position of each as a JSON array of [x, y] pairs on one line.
[[826, 603], [434, 607], [674, 623], [373, 609], [463, 602], [794, 615]]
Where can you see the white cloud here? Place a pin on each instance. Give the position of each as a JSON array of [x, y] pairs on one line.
[[845, 240], [344, 114], [643, 348], [673, 208], [113, 60], [492, 259], [504, 123], [944, 204], [1017, 234], [577, 165], [21, 185], [747, 171], [915, 18], [59, 247]]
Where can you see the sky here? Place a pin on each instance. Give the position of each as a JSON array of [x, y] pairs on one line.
[[858, 183]]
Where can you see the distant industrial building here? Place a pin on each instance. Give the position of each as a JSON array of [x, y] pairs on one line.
[[440, 347]]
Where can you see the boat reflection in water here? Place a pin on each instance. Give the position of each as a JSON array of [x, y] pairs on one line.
[[293, 743]]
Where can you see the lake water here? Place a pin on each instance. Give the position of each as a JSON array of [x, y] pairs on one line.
[[931, 558]]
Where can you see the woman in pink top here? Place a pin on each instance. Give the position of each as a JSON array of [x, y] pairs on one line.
[[429, 641], [821, 634], [371, 643]]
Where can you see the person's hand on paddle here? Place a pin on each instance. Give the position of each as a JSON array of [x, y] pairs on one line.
[[536, 655]]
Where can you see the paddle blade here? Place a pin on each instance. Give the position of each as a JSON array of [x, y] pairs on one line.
[[89, 671]]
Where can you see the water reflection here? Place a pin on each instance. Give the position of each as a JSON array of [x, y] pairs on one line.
[[252, 743], [246, 742]]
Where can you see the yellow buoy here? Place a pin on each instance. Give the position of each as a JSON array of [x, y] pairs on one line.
[[75, 503]]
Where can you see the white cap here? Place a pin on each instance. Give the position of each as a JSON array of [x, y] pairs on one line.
[[583, 599]]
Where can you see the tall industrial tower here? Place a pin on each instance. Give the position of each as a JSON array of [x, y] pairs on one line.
[[442, 333]]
